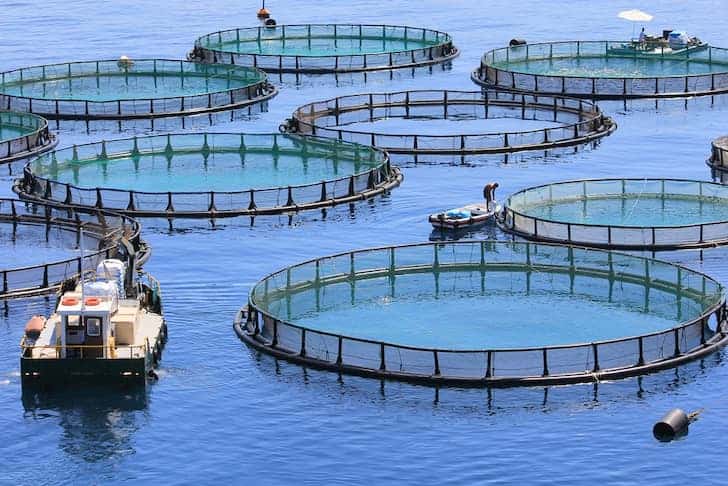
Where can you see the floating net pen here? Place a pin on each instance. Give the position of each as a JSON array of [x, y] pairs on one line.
[[23, 135], [31, 232], [604, 70], [485, 313], [570, 121], [209, 175], [326, 48], [138, 89], [638, 214]]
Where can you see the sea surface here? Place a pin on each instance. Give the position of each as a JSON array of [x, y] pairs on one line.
[[222, 413]]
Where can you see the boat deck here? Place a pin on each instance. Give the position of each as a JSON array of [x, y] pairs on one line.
[[148, 330]]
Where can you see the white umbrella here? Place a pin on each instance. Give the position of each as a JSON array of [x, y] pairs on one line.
[[635, 15]]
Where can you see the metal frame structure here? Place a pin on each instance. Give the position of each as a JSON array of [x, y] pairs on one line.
[[110, 230], [254, 88], [582, 362], [582, 122], [699, 235], [379, 177], [441, 50], [598, 87], [719, 154], [38, 140]]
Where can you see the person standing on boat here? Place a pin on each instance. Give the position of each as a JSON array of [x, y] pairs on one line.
[[643, 36]]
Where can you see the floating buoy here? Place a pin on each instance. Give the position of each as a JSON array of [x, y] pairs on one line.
[[125, 62], [673, 425], [263, 13], [34, 327]]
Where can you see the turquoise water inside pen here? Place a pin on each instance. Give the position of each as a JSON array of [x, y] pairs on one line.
[[612, 67], [121, 87], [185, 172], [221, 413], [10, 132], [633, 210], [326, 46], [492, 310]]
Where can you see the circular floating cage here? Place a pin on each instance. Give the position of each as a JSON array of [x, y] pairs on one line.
[[604, 70], [636, 214], [139, 89], [23, 135], [46, 230], [571, 121], [326, 48], [719, 154], [209, 174], [486, 313]]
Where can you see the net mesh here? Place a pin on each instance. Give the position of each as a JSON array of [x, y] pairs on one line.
[[518, 213], [146, 88], [335, 48], [494, 71], [580, 122], [27, 135], [372, 174], [102, 232], [593, 272]]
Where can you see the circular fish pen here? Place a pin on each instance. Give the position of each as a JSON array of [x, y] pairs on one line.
[[486, 313], [209, 175], [23, 135], [126, 89], [569, 121], [633, 214], [326, 48], [604, 70], [43, 242]]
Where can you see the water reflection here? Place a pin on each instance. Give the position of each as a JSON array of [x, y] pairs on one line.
[[490, 400], [98, 422]]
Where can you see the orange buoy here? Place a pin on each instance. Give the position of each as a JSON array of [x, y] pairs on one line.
[[34, 326], [92, 301], [69, 301], [263, 13]]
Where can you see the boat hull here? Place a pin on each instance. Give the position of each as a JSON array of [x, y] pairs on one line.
[[64, 370]]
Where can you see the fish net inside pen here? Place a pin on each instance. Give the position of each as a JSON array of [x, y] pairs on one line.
[[622, 212], [477, 310]]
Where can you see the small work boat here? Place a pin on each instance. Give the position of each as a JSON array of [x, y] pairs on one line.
[[108, 329], [471, 215], [671, 43]]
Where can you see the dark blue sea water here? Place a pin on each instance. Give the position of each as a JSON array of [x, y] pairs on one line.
[[221, 413]]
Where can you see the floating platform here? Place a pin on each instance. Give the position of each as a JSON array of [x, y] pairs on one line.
[[326, 48], [602, 70], [569, 121], [126, 89], [51, 230], [486, 314], [209, 175], [23, 135], [636, 214]]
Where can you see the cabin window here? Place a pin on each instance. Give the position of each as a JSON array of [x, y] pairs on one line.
[[93, 326]]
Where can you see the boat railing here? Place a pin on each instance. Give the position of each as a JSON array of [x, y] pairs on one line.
[[115, 352]]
